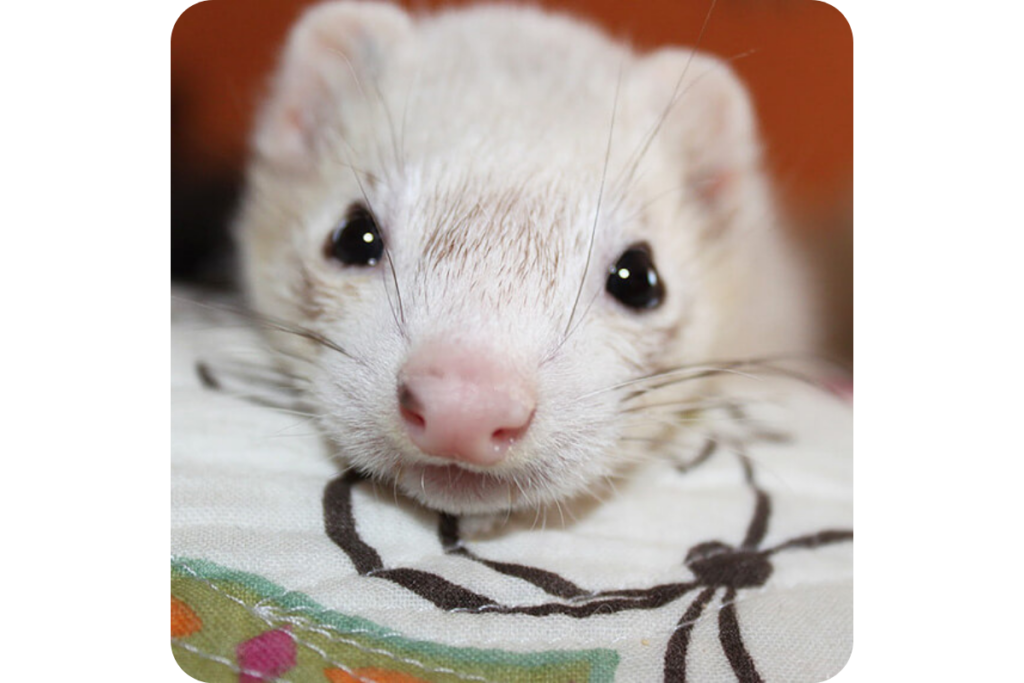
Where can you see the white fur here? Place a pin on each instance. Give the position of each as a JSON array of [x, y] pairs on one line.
[[485, 130]]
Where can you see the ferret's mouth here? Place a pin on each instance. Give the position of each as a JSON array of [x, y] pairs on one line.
[[458, 490]]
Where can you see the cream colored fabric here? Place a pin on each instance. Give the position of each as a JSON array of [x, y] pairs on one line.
[[247, 488]]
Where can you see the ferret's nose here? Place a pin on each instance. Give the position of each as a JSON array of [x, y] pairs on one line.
[[463, 404]]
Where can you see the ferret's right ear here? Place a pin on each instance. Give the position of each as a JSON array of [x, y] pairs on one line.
[[709, 122], [331, 55]]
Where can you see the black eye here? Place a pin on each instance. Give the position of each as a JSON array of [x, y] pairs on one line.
[[634, 281], [356, 241]]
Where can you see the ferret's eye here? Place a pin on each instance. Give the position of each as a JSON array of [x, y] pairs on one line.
[[634, 280], [356, 241]]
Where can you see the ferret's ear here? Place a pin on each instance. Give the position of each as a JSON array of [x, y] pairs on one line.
[[331, 55], [710, 122]]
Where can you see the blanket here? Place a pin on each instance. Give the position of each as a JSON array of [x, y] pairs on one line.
[[733, 563]]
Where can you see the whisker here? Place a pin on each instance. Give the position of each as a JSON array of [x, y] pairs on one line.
[[281, 433], [257, 374], [600, 197], [682, 404], [350, 151], [272, 323], [405, 113], [685, 373], [688, 373], [399, 324], [399, 161], [508, 510], [676, 96], [380, 100], [270, 352], [673, 420], [611, 484], [394, 483], [266, 402], [579, 322]]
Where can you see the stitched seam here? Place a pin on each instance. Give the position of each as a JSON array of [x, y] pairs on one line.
[[225, 661], [306, 625], [268, 622], [260, 614]]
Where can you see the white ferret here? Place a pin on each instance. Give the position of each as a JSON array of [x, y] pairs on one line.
[[494, 236]]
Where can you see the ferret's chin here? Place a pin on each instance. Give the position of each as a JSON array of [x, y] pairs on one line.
[[457, 490]]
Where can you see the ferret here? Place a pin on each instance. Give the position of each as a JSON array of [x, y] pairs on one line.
[[490, 238]]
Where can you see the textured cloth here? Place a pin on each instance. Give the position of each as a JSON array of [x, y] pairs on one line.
[[735, 567]]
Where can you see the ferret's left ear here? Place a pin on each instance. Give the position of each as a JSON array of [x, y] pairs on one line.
[[329, 61], [710, 123]]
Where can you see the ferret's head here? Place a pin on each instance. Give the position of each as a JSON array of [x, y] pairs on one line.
[[489, 225]]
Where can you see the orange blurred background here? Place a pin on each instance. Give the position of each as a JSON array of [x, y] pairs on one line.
[[800, 73]]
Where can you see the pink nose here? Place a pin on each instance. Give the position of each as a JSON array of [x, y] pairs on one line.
[[462, 404]]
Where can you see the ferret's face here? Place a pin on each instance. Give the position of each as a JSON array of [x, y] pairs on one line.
[[486, 261]]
